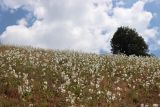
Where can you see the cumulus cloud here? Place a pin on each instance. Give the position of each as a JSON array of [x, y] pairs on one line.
[[86, 25], [136, 17]]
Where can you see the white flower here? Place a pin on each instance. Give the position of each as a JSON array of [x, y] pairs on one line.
[[155, 105]]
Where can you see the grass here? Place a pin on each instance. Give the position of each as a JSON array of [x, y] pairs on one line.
[[45, 78]]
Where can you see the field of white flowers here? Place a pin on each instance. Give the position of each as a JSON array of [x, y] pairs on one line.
[[44, 78]]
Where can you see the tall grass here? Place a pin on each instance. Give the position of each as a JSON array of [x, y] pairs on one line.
[[44, 78]]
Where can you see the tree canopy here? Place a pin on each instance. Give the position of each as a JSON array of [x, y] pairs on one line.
[[127, 41]]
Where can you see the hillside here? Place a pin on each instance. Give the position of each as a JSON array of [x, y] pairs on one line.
[[45, 78]]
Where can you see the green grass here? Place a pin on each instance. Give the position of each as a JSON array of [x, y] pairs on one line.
[[45, 78]]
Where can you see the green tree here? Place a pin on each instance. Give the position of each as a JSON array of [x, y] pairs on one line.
[[127, 41]]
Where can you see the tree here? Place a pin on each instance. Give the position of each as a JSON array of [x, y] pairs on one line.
[[127, 41]]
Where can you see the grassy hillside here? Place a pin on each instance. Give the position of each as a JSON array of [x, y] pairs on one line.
[[43, 78]]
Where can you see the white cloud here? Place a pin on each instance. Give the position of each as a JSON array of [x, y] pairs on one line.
[[17, 35], [135, 17], [75, 24], [22, 22], [120, 3]]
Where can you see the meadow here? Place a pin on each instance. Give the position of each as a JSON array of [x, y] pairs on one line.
[[31, 77]]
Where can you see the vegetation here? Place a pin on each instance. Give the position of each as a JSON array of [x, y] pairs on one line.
[[44, 78], [127, 41]]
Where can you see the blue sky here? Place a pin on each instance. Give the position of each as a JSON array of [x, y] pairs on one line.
[[38, 17], [8, 18], [154, 7]]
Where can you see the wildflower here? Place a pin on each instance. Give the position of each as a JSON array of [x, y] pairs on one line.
[[155, 105]]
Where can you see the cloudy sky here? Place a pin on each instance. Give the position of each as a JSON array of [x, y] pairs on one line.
[[84, 25]]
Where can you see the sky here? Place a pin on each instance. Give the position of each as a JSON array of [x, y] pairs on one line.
[[81, 25]]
